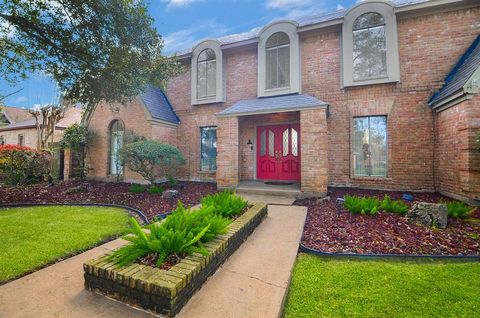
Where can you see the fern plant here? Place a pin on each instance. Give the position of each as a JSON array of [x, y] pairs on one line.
[[225, 203], [458, 209], [394, 206], [362, 205]]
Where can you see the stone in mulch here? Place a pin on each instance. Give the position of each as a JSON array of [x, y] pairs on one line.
[[429, 214], [151, 205], [331, 228]]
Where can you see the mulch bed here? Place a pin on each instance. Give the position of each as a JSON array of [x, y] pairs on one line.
[[151, 205], [331, 228]]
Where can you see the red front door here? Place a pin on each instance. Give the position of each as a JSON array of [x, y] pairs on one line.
[[278, 152]]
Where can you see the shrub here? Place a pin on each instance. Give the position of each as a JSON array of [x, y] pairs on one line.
[[76, 138], [362, 205], [172, 182], [394, 206], [183, 231], [225, 203], [458, 209], [22, 165], [155, 189], [151, 159], [136, 188]]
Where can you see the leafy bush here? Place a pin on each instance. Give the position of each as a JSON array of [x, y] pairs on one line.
[[394, 206], [183, 231], [362, 205], [22, 165], [225, 203], [151, 159], [76, 137], [155, 189], [458, 209], [136, 188]]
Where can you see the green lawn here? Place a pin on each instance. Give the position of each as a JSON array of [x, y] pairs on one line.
[[35, 236], [359, 288]]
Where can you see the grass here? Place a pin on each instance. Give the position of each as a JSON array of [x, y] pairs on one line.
[[32, 237], [359, 288]]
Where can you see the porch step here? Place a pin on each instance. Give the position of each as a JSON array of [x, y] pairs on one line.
[[259, 190]]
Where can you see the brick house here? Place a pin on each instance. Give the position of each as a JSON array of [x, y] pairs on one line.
[[382, 95]]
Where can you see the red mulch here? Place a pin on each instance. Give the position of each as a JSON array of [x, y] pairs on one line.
[[331, 228], [151, 205]]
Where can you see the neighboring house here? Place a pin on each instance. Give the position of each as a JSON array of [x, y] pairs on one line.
[[12, 115], [382, 95]]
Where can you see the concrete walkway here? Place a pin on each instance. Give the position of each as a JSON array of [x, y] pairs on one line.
[[252, 283]]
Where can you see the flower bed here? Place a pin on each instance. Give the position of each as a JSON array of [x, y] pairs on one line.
[[166, 291], [330, 228], [151, 205]]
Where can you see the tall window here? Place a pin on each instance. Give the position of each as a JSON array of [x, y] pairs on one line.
[[2, 140], [370, 146], [369, 47], [21, 140], [208, 151], [277, 61], [116, 143], [206, 74]]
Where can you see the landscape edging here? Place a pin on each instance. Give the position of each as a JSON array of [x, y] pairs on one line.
[[136, 211], [166, 291], [309, 250]]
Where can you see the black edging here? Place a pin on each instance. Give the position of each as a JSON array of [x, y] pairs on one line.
[[136, 211], [309, 250]]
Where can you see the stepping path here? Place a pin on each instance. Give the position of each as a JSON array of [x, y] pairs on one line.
[[253, 282]]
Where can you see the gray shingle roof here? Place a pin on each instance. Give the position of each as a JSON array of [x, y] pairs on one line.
[[273, 104], [302, 22], [460, 73], [158, 105]]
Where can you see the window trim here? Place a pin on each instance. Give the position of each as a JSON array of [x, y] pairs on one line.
[[387, 152], [290, 28], [3, 140], [201, 149], [391, 42], [109, 152], [219, 96], [23, 140], [206, 62]]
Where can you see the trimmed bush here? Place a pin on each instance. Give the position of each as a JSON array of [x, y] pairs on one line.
[[394, 206], [362, 205], [23, 165], [151, 159]]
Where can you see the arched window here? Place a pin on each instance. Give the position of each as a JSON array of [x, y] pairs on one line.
[[369, 47], [277, 61], [206, 74], [116, 142]]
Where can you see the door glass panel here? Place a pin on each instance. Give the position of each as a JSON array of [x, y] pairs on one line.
[[294, 142], [285, 142], [271, 143], [263, 143]]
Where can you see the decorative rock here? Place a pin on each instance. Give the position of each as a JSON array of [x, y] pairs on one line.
[[324, 199], [429, 214], [170, 194]]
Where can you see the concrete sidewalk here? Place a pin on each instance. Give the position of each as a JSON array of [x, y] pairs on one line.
[[252, 283]]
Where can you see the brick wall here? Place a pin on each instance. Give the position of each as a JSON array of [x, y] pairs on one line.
[[457, 153]]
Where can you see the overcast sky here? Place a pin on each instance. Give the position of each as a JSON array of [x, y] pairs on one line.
[[182, 23]]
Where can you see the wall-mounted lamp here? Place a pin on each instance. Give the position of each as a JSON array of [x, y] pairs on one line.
[[249, 142]]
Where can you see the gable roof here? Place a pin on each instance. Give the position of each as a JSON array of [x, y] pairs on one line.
[[459, 75], [303, 21], [276, 104], [15, 114], [158, 105]]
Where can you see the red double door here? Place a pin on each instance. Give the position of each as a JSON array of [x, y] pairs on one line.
[[278, 152]]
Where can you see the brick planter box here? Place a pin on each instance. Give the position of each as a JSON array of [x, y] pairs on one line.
[[166, 291]]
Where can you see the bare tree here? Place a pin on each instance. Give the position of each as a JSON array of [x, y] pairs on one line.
[[46, 120]]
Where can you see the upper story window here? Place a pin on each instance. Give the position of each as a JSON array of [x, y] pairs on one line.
[[369, 45], [277, 61], [206, 74]]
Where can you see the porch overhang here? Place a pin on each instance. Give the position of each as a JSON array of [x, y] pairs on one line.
[[276, 104]]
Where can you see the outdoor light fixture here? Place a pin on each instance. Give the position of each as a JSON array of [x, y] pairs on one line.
[[249, 142]]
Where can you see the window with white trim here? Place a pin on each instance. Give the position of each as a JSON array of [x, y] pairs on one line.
[[206, 74], [21, 140], [116, 143], [277, 61], [370, 146], [3, 140], [208, 148]]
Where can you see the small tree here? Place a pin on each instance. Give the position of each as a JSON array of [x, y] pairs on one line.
[[76, 138], [151, 159]]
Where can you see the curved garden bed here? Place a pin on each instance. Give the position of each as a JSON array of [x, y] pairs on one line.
[[329, 228]]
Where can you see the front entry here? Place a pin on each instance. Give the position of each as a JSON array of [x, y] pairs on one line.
[[278, 152]]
